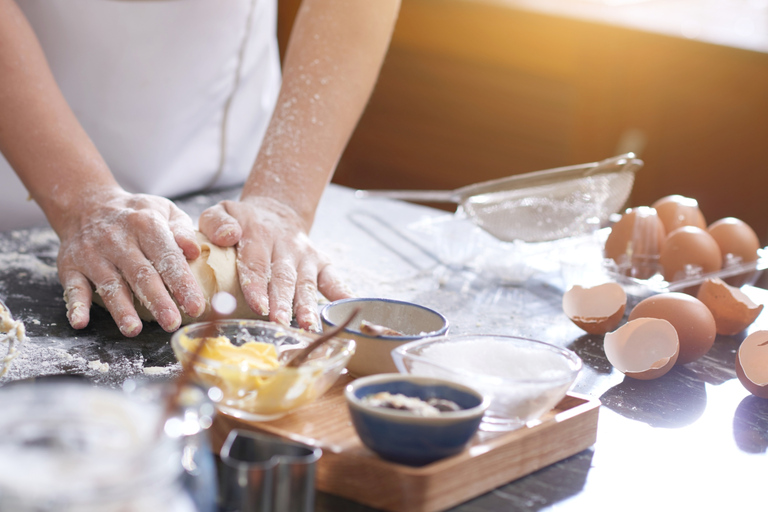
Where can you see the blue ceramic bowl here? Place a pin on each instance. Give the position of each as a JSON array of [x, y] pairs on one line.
[[404, 437]]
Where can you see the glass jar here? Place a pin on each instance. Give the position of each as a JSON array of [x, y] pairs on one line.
[[68, 446]]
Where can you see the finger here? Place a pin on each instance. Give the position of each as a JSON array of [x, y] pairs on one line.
[[164, 269], [183, 230], [150, 290], [331, 285], [77, 296], [253, 270], [305, 298], [117, 297], [282, 289], [219, 226], [157, 245]]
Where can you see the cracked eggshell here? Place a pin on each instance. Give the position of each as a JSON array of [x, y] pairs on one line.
[[732, 310], [645, 348], [690, 317], [597, 309], [752, 363]]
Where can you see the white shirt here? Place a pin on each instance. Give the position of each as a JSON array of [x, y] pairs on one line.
[[176, 94]]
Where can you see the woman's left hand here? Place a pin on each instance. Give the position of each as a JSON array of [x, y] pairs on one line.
[[280, 270]]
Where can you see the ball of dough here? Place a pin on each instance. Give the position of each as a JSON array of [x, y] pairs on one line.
[[215, 271]]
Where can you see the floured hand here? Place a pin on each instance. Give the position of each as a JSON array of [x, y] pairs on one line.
[[123, 244], [280, 270]]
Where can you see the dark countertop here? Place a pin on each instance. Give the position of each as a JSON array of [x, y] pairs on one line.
[[692, 439]]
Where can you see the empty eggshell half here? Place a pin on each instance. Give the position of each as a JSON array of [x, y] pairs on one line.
[[732, 309], [644, 349], [752, 363], [597, 309]]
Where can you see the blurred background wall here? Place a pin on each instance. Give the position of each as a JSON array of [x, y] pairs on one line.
[[479, 89]]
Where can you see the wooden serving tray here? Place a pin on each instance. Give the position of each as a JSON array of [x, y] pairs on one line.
[[349, 469]]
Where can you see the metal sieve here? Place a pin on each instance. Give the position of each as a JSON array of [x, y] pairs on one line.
[[538, 206]]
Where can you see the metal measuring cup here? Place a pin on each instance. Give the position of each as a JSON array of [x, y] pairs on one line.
[[263, 473]]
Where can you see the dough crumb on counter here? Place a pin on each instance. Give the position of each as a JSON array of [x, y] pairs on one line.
[[98, 366], [157, 370]]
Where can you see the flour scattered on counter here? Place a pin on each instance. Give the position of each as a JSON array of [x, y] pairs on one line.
[[37, 360], [98, 366], [73, 357], [34, 259], [63, 355], [33, 268]]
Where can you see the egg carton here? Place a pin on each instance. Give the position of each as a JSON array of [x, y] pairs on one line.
[[744, 272]]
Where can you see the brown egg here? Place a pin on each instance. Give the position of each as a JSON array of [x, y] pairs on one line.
[[692, 320], [645, 348], [752, 363], [676, 211], [732, 310], [635, 241], [738, 243], [689, 249], [597, 309], [735, 237]]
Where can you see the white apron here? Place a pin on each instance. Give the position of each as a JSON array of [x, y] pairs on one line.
[[176, 94]]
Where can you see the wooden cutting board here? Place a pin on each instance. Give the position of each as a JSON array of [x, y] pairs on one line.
[[348, 469]]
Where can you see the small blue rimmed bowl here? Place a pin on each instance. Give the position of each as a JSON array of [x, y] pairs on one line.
[[404, 437], [373, 353]]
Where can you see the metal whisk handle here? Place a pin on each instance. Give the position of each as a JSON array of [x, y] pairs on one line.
[[429, 196]]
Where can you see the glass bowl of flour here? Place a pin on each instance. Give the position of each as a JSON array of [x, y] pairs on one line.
[[523, 378]]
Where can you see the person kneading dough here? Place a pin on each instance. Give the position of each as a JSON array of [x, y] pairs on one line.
[[110, 108]]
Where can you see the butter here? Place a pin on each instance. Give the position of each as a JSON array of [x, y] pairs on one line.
[[251, 354], [240, 378]]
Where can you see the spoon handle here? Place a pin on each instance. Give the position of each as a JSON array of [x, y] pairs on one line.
[[302, 354]]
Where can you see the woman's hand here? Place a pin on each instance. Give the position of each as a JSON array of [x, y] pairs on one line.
[[280, 270], [123, 245], [111, 240], [330, 67]]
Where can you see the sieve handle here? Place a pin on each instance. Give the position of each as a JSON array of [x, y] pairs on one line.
[[429, 196]]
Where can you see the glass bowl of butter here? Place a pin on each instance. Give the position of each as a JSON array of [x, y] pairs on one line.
[[246, 361]]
